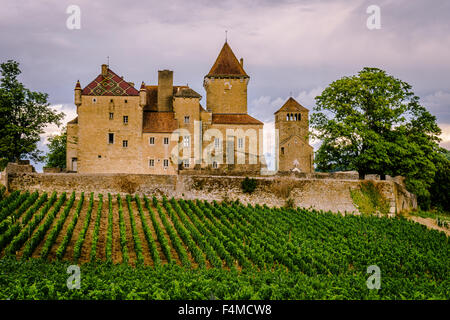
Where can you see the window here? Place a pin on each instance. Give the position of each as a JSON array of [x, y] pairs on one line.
[[125, 119], [126, 100], [216, 143], [166, 163], [241, 143], [99, 156], [166, 140], [151, 163], [152, 140], [125, 143], [94, 100], [111, 116], [299, 116], [186, 141], [111, 100], [282, 150], [214, 165], [110, 138], [186, 163], [186, 119]]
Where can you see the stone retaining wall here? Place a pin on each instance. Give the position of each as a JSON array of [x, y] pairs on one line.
[[322, 194]]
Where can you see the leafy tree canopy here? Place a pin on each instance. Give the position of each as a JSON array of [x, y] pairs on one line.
[[374, 123], [24, 114], [56, 156]]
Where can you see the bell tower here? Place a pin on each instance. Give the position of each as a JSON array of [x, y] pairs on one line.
[[294, 151]]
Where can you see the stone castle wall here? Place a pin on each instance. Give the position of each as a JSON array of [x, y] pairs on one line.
[[321, 194]]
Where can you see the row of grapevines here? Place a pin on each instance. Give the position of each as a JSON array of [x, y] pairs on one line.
[[4, 225], [182, 254], [57, 228], [197, 236], [37, 237], [123, 232], [228, 246], [137, 240], [231, 243], [13, 205], [82, 234], [265, 245], [185, 235], [7, 200], [109, 233], [148, 235], [211, 238], [26, 232], [159, 232], [69, 232], [253, 249], [17, 227], [95, 235]]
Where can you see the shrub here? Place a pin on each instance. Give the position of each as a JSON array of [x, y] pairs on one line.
[[248, 185], [290, 203]]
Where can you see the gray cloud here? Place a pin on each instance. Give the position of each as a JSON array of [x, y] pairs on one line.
[[288, 46]]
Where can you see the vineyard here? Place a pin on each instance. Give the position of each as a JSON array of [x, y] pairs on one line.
[[175, 248]]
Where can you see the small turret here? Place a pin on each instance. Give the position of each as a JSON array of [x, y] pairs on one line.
[[142, 95], [78, 94]]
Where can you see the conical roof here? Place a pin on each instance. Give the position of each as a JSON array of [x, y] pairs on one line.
[[227, 65]]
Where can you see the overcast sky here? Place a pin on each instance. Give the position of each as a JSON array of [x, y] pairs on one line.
[[289, 47]]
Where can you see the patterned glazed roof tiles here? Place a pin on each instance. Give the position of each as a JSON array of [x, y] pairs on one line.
[[110, 85]]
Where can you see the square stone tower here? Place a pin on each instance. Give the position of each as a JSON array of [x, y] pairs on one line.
[[226, 84], [294, 151]]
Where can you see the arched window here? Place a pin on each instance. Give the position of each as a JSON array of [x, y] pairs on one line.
[[299, 116], [287, 117], [296, 117]]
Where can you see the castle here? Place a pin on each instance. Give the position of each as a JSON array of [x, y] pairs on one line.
[[163, 129]]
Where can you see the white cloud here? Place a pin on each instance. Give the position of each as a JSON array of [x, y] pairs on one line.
[[70, 114], [445, 136]]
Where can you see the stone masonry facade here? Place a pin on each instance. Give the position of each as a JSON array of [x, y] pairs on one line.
[[163, 128]]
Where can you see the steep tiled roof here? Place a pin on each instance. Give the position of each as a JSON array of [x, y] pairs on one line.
[[159, 122], [227, 64], [292, 105], [187, 93], [111, 85], [233, 118]]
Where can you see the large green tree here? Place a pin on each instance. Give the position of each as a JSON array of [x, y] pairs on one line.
[[56, 156], [24, 114], [374, 123]]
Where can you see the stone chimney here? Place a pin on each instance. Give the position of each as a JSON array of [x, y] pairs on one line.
[[104, 70], [242, 62], [165, 90]]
